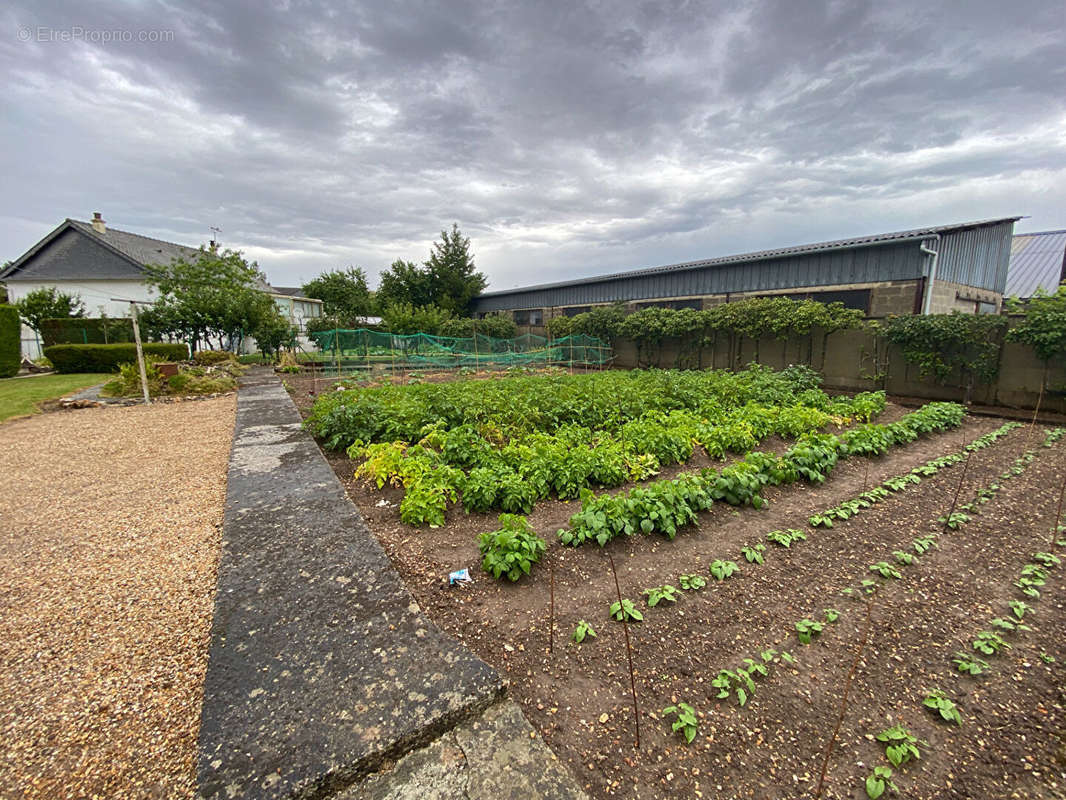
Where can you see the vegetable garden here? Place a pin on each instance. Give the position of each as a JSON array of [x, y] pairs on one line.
[[716, 584]]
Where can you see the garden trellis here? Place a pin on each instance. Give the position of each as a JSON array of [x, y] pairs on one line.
[[364, 348]]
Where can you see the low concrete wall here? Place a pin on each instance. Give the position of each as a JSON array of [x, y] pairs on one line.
[[857, 361]]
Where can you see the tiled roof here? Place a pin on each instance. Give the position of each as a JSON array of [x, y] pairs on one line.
[[142, 249]]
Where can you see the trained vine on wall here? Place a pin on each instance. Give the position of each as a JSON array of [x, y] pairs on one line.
[[941, 345], [757, 318]]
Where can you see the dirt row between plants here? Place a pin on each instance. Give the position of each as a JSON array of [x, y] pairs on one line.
[[108, 561], [773, 745]]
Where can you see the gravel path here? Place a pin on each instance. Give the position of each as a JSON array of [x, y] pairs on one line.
[[109, 540]]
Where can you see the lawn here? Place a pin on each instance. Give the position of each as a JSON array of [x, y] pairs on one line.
[[20, 396], [814, 598]]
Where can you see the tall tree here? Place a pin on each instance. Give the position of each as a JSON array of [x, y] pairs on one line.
[[344, 294], [452, 275], [218, 294], [404, 283], [48, 303]]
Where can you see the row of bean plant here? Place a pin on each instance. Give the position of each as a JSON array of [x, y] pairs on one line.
[[666, 506]]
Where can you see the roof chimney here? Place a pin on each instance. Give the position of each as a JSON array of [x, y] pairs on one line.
[[98, 223]]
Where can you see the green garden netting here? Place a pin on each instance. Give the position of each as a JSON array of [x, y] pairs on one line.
[[352, 349]]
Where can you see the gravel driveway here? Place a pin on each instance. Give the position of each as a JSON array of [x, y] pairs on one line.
[[109, 536]]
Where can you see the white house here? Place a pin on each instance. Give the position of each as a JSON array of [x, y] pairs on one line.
[[106, 268]]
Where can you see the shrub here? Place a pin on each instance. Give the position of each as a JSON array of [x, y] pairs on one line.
[[128, 382], [512, 550], [209, 357], [69, 358], [10, 341]]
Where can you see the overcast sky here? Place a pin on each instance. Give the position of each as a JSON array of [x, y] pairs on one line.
[[565, 138]]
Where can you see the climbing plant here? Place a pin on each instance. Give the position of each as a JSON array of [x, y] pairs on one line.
[[756, 318], [941, 344], [1044, 325]]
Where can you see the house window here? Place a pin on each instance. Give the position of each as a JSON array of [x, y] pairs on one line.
[[674, 304], [531, 316], [851, 298], [573, 311]]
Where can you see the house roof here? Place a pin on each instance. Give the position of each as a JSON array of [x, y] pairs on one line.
[[1037, 260], [762, 255], [138, 250]]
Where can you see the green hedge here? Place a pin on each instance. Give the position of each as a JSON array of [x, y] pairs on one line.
[[86, 330], [107, 357], [10, 341]]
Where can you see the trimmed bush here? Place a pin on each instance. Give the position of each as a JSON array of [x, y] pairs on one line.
[[208, 357], [10, 341], [86, 330], [107, 357]]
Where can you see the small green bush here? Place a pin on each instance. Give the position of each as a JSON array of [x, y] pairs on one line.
[[10, 341], [128, 382], [512, 550], [209, 357], [70, 358]]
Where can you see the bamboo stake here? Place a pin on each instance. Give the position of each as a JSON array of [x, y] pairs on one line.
[[1058, 513], [551, 607], [844, 700], [629, 651], [958, 490]]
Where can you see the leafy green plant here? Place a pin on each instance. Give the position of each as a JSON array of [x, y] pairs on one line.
[[903, 557], [955, 520], [831, 615], [869, 586], [989, 643], [511, 551], [626, 611], [940, 703], [754, 553], [1048, 560], [924, 544], [880, 780], [686, 723], [692, 581], [1047, 658], [1020, 608], [659, 594], [1009, 625], [900, 745], [969, 664], [582, 630], [785, 538], [721, 570], [885, 570], [806, 629]]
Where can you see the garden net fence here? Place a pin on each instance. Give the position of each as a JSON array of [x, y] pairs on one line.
[[349, 350]]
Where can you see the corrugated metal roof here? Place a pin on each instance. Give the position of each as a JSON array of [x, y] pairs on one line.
[[762, 255], [1037, 260]]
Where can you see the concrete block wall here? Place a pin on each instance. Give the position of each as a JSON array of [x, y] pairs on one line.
[[861, 361]]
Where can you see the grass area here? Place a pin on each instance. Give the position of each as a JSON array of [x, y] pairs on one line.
[[19, 396]]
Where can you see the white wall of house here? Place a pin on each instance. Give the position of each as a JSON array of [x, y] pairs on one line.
[[95, 294]]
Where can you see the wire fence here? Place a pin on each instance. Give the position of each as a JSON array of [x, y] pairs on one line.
[[363, 349]]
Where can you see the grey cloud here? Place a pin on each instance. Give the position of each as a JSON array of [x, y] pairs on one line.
[[564, 138]]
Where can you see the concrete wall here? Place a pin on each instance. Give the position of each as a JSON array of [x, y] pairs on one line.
[[860, 361]]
